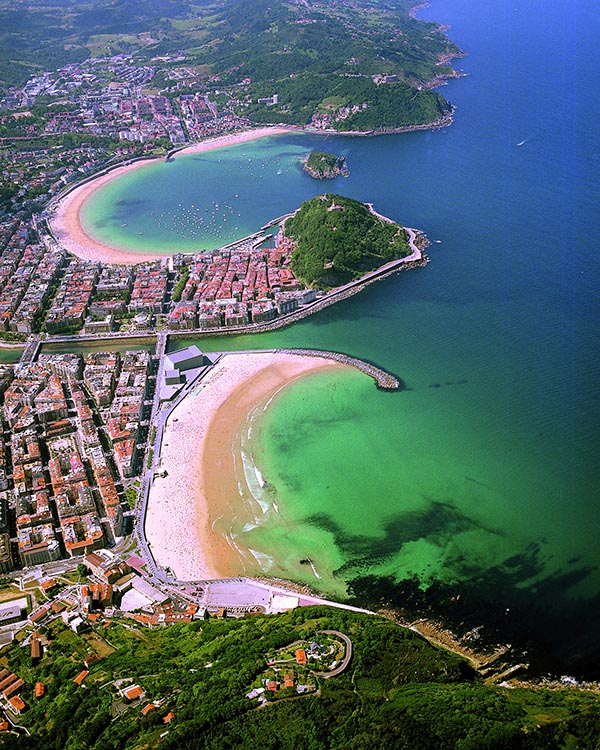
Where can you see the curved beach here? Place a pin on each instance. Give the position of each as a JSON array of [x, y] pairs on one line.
[[199, 455], [66, 222]]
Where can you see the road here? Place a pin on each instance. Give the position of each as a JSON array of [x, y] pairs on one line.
[[347, 656]]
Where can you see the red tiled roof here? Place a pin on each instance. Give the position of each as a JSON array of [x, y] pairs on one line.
[[17, 703], [133, 692], [300, 656], [81, 677]]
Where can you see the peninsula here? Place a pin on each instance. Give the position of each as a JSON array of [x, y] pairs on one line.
[[328, 249], [337, 239]]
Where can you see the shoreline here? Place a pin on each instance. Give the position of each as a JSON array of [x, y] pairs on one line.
[[67, 227], [65, 218], [187, 498]]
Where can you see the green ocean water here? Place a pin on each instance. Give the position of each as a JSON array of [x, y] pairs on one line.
[[481, 476]]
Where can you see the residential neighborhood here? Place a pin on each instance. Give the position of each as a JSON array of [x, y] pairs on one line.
[[247, 282]]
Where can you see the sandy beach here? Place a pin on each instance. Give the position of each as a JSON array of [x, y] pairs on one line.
[[66, 223], [200, 453]]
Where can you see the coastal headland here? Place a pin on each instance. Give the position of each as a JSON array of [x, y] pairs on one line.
[[200, 478]]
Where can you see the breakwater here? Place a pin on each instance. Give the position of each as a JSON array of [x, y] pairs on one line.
[[383, 379]]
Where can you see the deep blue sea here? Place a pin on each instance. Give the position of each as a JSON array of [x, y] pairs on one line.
[[483, 474]]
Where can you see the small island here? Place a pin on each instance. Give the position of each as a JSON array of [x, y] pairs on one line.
[[324, 166]]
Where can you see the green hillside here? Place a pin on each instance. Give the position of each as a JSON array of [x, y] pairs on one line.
[[348, 66], [397, 692], [339, 239]]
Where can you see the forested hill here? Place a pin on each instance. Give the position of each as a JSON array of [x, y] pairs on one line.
[[397, 691], [322, 165], [340, 239], [348, 66]]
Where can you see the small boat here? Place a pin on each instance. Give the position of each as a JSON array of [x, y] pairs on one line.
[[521, 143]]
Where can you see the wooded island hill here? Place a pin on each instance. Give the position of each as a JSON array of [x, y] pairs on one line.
[[338, 239], [322, 165]]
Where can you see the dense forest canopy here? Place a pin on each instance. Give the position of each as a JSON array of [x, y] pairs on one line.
[[323, 165], [397, 692]]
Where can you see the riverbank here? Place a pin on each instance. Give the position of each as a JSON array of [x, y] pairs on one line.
[[200, 478], [66, 223]]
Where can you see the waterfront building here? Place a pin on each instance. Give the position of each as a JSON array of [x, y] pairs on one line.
[[184, 359], [184, 315], [236, 315], [209, 316], [68, 366], [263, 311], [100, 373], [286, 303], [70, 304], [98, 325]]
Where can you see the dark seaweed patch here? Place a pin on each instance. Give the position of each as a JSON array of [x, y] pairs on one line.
[[548, 627], [438, 524]]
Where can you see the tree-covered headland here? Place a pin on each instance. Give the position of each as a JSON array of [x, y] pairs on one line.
[[339, 239], [322, 165], [343, 66], [398, 691]]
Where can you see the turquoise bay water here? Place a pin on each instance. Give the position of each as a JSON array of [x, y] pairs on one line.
[[483, 471], [200, 201]]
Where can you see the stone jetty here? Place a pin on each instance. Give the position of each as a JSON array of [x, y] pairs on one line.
[[383, 380]]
